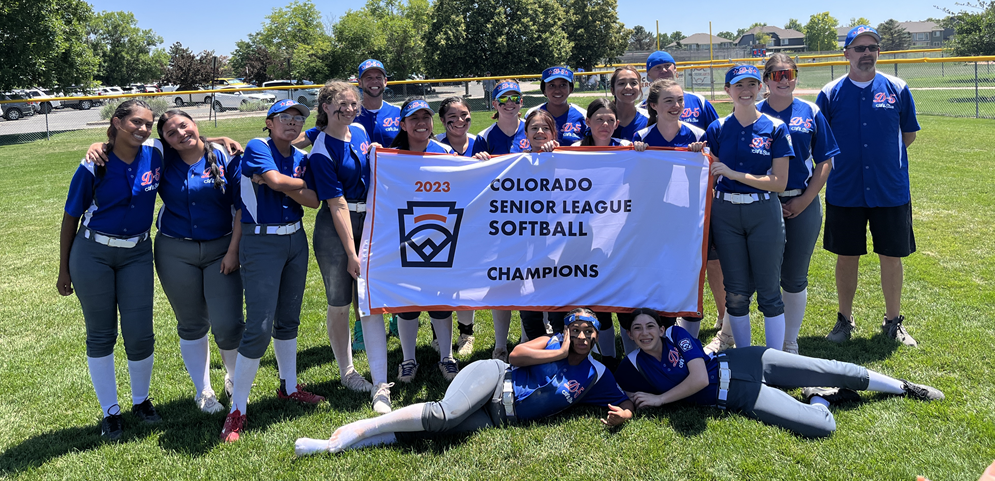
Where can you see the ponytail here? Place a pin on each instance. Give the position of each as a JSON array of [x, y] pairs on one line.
[[211, 159]]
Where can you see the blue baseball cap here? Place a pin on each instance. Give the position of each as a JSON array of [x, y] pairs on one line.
[[557, 72], [741, 72], [858, 31], [371, 63], [658, 57], [414, 106], [286, 104], [505, 87], [581, 317]]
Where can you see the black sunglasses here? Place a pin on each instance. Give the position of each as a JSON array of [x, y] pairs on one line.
[[863, 48]]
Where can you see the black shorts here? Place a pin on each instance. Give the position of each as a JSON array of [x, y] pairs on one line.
[[891, 230]]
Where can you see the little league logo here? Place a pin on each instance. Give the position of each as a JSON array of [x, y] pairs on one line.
[[429, 231]]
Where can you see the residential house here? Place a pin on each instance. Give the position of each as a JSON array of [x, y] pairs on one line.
[[700, 41], [781, 39], [924, 34]]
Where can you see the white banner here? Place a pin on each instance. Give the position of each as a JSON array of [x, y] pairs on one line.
[[609, 229]]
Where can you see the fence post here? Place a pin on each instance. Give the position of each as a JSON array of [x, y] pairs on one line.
[[832, 74], [942, 64], [976, 99], [48, 135], [896, 69]]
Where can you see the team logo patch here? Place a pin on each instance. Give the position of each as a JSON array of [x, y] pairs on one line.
[[429, 231], [685, 345], [673, 356]]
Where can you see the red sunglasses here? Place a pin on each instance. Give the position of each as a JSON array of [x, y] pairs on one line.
[[779, 75]]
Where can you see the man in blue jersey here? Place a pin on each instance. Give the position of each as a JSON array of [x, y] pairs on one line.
[[697, 111], [873, 118]]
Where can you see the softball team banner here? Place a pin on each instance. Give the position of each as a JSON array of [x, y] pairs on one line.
[[609, 229]]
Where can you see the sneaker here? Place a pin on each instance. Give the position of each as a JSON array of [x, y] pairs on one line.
[[207, 401], [146, 411], [111, 427], [464, 345], [301, 396], [229, 386], [832, 394], [381, 398], [392, 326], [720, 343], [449, 368], [921, 392], [843, 329], [355, 381], [435, 345], [718, 323], [407, 370], [234, 424], [894, 329], [357, 337], [790, 347]]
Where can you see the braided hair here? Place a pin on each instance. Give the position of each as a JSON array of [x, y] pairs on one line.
[[123, 110], [210, 157]]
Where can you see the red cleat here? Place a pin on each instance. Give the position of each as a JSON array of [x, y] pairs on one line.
[[301, 396], [233, 426]]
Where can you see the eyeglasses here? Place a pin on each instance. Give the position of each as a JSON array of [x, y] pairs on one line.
[[863, 48], [286, 118], [509, 98], [779, 75]]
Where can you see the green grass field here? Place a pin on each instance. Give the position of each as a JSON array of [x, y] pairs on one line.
[[49, 413]]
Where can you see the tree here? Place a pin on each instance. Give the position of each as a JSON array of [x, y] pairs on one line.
[[820, 33], [187, 70], [894, 36], [44, 44], [252, 61], [674, 37], [387, 30], [125, 51], [727, 35], [975, 31], [759, 36], [593, 28], [794, 24], [640, 39], [855, 21]]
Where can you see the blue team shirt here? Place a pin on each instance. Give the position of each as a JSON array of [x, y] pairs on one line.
[[543, 390], [121, 202], [571, 126], [641, 372], [688, 135], [613, 142], [811, 138], [381, 125], [191, 207], [436, 147], [473, 145], [638, 123], [697, 111], [872, 168], [497, 143], [260, 204], [750, 149], [337, 168]]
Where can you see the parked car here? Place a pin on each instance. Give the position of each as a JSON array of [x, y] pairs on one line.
[[182, 99], [46, 101], [110, 91], [304, 95], [229, 82], [84, 104], [231, 100], [16, 110]]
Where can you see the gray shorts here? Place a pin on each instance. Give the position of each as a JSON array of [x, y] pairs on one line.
[[203, 299], [800, 235], [331, 256]]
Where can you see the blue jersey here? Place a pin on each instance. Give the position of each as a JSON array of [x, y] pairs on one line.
[[872, 168], [337, 168], [811, 138], [436, 147], [613, 142], [472, 145], [688, 135], [260, 204], [638, 123], [497, 143], [697, 111], [545, 389], [192, 208], [119, 203], [750, 149], [381, 125], [571, 126], [641, 372]]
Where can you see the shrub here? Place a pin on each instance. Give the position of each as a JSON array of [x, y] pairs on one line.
[[254, 106], [159, 106]]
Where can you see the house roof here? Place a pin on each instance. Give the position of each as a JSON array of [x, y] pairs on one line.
[[782, 33], [701, 39], [916, 27]]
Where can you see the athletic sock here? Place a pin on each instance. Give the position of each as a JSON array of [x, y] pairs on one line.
[[245, 374], [228, 357], [407, 330], [285, 351], [375, 337], [794, 312], [465, 320], [774, 332], [444, 332], [880, 383], [819, 400], [375, 440], [141, 378], [406, 419], [196, 357], [337, 326], [691, 326], [606, 342], [502, 323], [104, 383], [740, 326], [627, 343]]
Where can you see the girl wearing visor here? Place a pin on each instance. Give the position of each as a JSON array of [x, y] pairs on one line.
[[671, 366], [557, 84], [547, 375], [273, 253], [814, 147]]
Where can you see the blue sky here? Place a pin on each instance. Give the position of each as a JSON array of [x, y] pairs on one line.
[[218, 28]]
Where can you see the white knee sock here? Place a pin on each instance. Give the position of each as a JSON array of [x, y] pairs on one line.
[[245, 374], [740, 326], [465, 317], [774, 332], [627, 343], [606, 342], [285, 352], [104, 383], [794, 311], [406, 419], [444, 332], [502, 323], [880, 383], [691, 327], [141, 378], [408, 332], [375, 337], [196, 357], [228, 357], [337, 325]]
